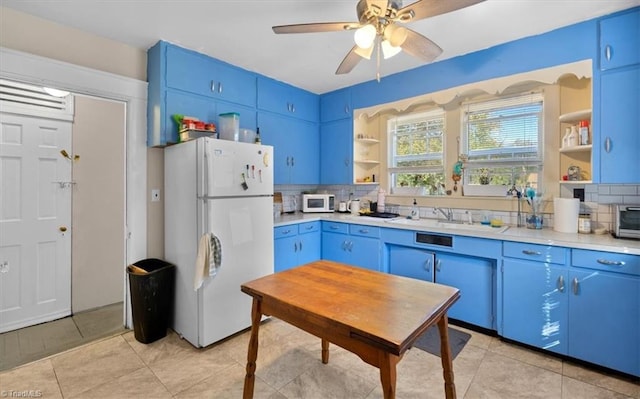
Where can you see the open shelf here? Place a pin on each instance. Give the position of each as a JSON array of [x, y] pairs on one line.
[[577, 148], [575, 181], [577, 116]]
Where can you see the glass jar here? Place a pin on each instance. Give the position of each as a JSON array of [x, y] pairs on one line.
[[584, 223], [534, 221]]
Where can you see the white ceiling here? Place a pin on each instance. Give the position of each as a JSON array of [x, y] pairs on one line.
[[239, 31]]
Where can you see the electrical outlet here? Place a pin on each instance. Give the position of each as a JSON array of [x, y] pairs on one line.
[[155, 195]]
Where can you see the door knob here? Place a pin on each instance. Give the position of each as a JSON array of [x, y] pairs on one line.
[[62, 228]]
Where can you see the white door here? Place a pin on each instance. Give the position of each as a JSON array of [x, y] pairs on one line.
[[35, 220]]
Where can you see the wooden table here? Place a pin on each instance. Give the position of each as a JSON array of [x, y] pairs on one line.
[[377, 316]]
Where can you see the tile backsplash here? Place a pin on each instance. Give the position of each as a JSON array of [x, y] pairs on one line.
[[597, 201]]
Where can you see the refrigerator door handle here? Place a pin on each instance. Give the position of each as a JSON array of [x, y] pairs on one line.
[[205, 174]]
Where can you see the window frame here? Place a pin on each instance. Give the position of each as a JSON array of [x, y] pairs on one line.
[[536, 96], [437, 113]]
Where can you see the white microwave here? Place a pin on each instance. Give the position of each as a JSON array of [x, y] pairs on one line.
[[318, 203]]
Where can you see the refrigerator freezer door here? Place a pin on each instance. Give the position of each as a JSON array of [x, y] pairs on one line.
[[231, 169], [244, 227]]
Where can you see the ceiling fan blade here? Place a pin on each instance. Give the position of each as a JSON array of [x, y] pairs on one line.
[[420, 47], [316, 27], [430, 8], [349, 62]]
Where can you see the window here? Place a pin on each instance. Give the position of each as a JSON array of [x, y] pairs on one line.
[[503, 141], [416, 152]]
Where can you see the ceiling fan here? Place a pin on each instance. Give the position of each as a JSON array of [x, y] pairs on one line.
[[380, 26]]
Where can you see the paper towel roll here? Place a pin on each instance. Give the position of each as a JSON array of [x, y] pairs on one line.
[[565, 214]]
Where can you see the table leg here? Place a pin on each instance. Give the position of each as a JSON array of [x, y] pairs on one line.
[[445, 356], [252, 355], [387, 364], [325, 351]]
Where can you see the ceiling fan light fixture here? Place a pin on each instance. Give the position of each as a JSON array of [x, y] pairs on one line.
[[365, 52], [396, 35], [388, 50], [365, 36]]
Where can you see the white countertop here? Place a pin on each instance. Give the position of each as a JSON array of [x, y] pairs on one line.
[[545, 236]]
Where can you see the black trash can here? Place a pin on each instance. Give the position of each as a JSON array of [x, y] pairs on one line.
[[151, 282]]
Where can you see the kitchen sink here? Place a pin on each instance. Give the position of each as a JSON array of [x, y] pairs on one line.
[[440, 224]]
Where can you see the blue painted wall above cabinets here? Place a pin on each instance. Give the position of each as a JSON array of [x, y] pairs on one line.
[[569, 44]]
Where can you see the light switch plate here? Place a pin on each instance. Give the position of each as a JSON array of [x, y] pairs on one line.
[[155, 195]]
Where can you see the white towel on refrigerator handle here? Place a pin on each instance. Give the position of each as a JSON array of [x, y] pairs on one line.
[[208, 260]]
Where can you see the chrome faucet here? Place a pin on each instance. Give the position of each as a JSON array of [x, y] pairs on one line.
[[446, 212], [513, 191]]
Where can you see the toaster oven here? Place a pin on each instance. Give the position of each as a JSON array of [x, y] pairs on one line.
[[626, 221]]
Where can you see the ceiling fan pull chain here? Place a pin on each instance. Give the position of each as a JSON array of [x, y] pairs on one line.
[[378, 60]]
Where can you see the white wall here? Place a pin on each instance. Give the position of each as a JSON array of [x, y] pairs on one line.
[[98, 215]]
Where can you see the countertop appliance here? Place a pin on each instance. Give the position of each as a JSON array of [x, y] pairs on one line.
[[626, 221], [318, 202], [224, 188]]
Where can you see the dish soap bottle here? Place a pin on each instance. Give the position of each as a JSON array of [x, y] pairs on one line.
[[415, 211]]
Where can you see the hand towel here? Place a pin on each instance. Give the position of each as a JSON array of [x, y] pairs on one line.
[[208, 260]]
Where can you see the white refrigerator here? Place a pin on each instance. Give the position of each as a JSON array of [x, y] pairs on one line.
[[224, 188]]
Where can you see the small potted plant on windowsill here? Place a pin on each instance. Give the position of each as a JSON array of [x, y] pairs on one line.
[[484, 177]]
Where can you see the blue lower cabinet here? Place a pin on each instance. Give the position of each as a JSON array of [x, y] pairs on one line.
[[355, 245], [411, 262], [475, 278], [604, 319], [309, 246], [285, 253], [535, 306], [295, 245]]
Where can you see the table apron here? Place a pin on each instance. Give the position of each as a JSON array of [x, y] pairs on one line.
[[368, 350]]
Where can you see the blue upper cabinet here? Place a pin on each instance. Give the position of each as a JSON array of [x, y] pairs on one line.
[[287, 100], [620, 40], [336, 105], [185, 82], [199, 74], [619, 138], [336, 152], [295, 142]]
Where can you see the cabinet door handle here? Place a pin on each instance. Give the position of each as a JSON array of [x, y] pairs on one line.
[[364, 231], [213, 86], [350, 245], [438, 265], [346, 109], [219, 87], [607, 52], [575, 285], [286, 232], [300, 246], [292, 161], [611, 262], [607, 145], [560, 283], [427, 265], [333, 227], [309, 227], [344, 245], [530, 252], [346, 162]]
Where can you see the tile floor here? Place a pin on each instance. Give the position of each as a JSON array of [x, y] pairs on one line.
[[36, 342], [289, 366]]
